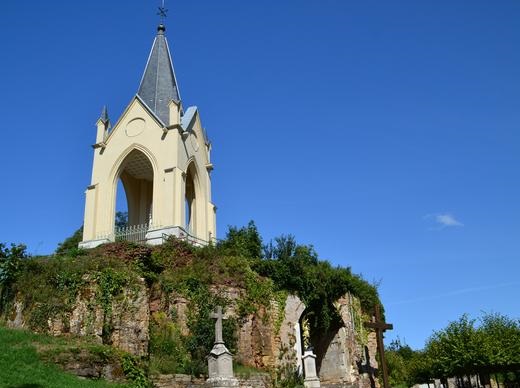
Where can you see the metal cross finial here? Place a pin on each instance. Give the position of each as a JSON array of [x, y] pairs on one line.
[[162, 12]]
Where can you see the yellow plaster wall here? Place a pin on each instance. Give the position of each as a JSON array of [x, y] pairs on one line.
[[169, 153]]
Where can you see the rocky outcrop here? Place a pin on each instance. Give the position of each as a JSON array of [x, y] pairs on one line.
[[123, 324], [268, 339], [83, 364], [257, 340]]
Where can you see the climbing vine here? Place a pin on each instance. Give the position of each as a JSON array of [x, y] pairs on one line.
[[358, 320]]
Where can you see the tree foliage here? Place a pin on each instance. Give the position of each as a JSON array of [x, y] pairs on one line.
[[465, 347], [69, 246], [406, 366], [245, 241], [121, 220], [296, 268], [501, 342], [11, 262]]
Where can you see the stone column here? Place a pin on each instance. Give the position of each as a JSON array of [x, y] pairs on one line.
[[309, 364]]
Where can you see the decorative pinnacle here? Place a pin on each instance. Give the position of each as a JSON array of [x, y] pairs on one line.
[[104, 115]]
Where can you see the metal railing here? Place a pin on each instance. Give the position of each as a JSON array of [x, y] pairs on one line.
[[193, 240], [132, 233], [137, 234]]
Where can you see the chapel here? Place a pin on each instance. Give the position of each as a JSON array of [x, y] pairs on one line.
[[160, 152]]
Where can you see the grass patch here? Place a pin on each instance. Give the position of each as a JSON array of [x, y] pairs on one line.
[[245, 371], [21, 365]]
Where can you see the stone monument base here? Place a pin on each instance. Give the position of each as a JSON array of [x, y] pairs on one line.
[[312, 383], [222, 382]]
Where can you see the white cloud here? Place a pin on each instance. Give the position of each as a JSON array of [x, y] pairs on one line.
[[443, 220], [447, 220]]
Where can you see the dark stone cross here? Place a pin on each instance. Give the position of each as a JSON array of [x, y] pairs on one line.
[[380, 327], [218, 316]]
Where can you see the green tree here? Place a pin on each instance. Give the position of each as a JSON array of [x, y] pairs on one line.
[[121, 219], [296, 268], [420, 369], [457, 350], [11, 262], [397, 368], [501, 342], [405, 365], [245, 241], [69, 246]]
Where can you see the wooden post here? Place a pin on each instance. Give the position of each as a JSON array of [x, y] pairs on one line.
[[380, 327]]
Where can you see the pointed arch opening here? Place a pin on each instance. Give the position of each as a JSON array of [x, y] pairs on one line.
[[191, 198], [135, 178]]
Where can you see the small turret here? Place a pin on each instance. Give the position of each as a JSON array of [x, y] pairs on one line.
[[175, 112], [103, 125]]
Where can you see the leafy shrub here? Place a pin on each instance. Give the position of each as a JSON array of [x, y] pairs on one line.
[[296, 268], [245, 241], [135, 372], [69, 246], [167, 346], [11, 262]]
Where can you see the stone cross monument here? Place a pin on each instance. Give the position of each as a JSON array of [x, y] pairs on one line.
[[220, 360], [218, 316]]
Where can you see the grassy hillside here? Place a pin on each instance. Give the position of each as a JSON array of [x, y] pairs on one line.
[[23, 365]]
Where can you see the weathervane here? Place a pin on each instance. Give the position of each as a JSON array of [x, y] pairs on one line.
[[162, 12]]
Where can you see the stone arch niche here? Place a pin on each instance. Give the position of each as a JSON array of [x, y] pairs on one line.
[[332, 356], [339, 355], [137, 176]]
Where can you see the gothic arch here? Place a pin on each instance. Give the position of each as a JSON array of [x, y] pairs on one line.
[[136, 169], [116, 169], [193, 199]]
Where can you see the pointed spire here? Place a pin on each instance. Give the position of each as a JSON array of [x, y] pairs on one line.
[[104, 115], [158, 85]]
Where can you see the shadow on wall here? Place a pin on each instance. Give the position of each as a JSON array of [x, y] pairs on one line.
[[321, 342], [368, 368]]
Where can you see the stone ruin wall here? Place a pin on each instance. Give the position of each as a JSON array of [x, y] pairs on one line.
[[345, 359], [130, 319], [262, 341]]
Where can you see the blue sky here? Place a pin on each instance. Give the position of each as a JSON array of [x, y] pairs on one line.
[[386, 134]]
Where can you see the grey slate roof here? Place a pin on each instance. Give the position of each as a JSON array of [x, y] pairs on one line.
[[158, 85]]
